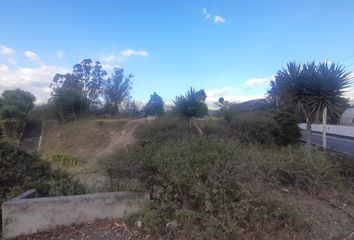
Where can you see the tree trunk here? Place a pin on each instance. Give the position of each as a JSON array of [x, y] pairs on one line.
[[308, 132], [324, 130]]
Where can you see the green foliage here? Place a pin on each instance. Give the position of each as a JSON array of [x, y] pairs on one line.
[[255, 127], [218, 189], [87, 79], [66, 160], [290, 131], [24, 171], [68, 104], [21, 171], [11, 129], [116, 90], [308, 88], [163, 129], [265, 127], [15, 103], [192, 104], [155, 106]]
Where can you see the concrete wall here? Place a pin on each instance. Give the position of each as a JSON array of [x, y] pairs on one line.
[[26, 216], [347, 131]]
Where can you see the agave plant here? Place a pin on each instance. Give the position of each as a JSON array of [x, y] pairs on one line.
[[310, 88], [192, 104]]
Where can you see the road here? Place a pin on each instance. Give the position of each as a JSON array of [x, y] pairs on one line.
[[345, 145]]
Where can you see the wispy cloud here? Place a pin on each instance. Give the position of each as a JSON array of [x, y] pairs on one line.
[[259, 82], [131, 52], [60, 54], [206, 14], [124, 54], [4, 50], [216, 19], [219, 19], [32, 56]]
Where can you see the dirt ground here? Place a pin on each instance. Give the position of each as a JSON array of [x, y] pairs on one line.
[[107, 230]]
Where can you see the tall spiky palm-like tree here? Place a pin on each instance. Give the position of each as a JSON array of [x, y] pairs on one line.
[[192, 104], [312, 89]]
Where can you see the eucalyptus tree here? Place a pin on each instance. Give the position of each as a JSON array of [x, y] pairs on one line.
[[311, 89], [87, 77], [117, 89]]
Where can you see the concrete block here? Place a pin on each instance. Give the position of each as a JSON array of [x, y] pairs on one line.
[[26, 216]]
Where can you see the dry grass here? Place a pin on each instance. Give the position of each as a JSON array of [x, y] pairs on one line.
[[80, 138]]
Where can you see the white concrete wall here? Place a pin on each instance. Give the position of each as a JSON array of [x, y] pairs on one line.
[[346, 131], [26, 216]]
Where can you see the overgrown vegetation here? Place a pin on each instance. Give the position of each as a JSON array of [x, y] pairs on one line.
[[66, 160], [217, 187], [21, 171]]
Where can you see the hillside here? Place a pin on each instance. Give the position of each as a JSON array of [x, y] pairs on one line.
[[80, 146]]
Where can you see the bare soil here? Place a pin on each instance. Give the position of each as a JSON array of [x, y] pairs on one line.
[[104, 229]]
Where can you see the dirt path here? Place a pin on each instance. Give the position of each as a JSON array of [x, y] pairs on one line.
[[119, 140], [92, 173]]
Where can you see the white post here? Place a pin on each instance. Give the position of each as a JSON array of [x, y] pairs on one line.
[[324, 123]]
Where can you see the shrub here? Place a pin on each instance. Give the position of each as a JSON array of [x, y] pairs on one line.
[[290, 131], [217, 188], [16, 103], [266, 128], [255, 127], [10, 130], [68, 104], [21, 171], [163, 129], [66, 160]]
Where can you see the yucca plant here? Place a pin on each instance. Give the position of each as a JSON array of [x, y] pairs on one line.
[[309, 89], [192, 104]]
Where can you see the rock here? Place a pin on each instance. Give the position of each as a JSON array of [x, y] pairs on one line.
[[171, 226], [139, 224]]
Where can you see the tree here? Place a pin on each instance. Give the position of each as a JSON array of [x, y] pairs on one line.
[[117, 89], [16, 103], [192, 104], [155, 106], [87, 78], [310, 89], [68, 104]]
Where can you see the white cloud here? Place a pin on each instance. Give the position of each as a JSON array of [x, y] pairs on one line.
[[35, 80], [32, 56], [123, 55], [131, 52], [219, 92], [349, 93], [60, 54], [216, 19], [6, 51], [219, 19], [229, 94], [259, 82], [206, 14]]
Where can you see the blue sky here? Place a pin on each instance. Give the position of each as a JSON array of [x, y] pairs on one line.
[[230, 48]]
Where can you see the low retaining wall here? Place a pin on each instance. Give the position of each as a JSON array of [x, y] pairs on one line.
[[26, 216], [346, 131]]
